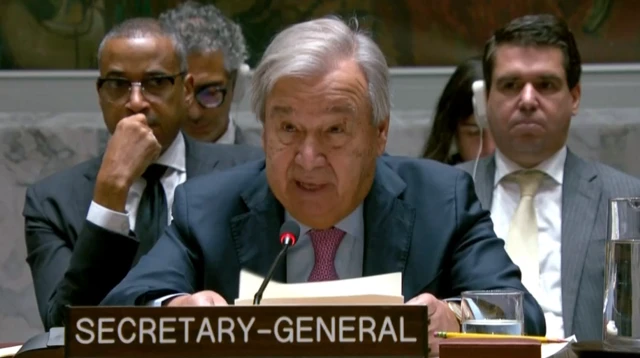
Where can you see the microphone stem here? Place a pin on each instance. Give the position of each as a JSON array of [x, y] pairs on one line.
[[258, 296]]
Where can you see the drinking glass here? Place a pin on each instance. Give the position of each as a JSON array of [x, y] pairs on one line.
[[621, 314], [493, 312]]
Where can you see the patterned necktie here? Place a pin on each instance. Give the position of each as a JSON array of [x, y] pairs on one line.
[[325, 245], [522, 240], [152, 216]]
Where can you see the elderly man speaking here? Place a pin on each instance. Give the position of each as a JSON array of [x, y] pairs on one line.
[[321, 91]]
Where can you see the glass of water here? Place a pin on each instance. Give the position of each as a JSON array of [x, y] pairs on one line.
[[493, 312], [622, 279]]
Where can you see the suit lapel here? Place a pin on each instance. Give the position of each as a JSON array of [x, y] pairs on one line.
[[198, 161], [388, 225], [485, 175], [581, 194], [255, 232], [239, 136]]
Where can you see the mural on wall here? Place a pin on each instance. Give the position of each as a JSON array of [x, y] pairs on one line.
[[64, 34]]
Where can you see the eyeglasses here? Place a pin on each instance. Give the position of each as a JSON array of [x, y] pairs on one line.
[[118, 90], [210, 96]]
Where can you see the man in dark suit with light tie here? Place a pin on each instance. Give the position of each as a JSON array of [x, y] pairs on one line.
[[79, 222], [322, 93], [548, 204]]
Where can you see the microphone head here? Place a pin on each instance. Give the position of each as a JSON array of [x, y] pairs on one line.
[[289, 232]]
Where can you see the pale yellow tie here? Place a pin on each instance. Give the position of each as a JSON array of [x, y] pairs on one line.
[[522, 240]]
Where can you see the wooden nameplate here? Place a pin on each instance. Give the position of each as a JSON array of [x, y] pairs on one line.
[[255, 331]]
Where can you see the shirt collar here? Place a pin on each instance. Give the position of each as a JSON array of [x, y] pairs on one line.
[[229, 136], [349, 225], [175, 156], [553, 166]]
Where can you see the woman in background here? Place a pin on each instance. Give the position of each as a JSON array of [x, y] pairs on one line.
[[455, 135]]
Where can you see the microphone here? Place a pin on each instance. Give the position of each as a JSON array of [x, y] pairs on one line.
[[289, 232]]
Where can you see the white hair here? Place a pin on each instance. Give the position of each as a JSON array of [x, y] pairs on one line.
[[204, 28], [314, 48]]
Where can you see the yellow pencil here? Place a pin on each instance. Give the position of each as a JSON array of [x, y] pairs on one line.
[[488, 335]]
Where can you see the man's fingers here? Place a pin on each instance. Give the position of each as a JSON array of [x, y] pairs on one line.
[[139, 117], [200, 300], [432, 306], [425, 299], [210, 298], [217, 300], [415, 301]]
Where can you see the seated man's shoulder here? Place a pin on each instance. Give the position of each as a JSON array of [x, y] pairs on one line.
[[421, 174], [407, 167], [227, 152], [66, 180], [470, 164], [225, 183], [616, 181]]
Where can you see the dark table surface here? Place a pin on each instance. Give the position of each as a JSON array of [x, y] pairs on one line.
[[599, 349]]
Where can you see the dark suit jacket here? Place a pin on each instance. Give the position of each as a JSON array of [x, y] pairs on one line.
[[247, 138], [586, 189], [239, 135], [422, 218], [74, 262]]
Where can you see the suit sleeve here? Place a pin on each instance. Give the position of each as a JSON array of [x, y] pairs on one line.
[[240, 154], [480, 260], [172, 266], [70, 274]]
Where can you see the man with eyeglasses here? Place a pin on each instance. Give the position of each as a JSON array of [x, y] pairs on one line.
[[86, 227], [216, 53]]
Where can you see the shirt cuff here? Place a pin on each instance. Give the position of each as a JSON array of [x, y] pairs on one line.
[[160, 301], [108, 219]]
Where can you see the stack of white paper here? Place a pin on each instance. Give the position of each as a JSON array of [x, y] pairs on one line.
[[557, 350], [373, 290], [9, 351]]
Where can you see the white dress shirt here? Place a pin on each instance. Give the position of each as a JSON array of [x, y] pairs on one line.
[[229, 136], [548, 206], [175, 159]]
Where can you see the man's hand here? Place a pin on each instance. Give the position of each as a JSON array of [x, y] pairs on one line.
[[441, 318], [202, 298], [131, 149]]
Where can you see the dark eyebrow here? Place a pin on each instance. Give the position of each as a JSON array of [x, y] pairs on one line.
[[513, 77], [118, 74], [211, 84], [156, 74], [121, 74], [550, 77], [506, 78]]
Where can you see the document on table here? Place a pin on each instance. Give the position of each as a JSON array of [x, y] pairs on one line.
[[9, 351], [372, 290], [557, 350]]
